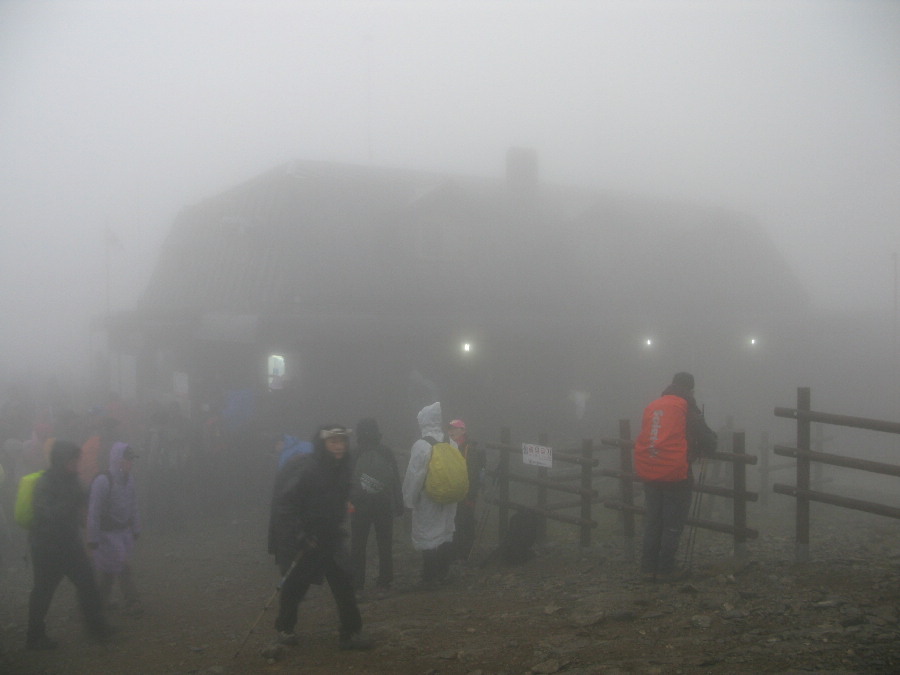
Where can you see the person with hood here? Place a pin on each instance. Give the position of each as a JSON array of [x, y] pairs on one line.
[[672, 429], [308, 507], [113, 525], [432, 523], [376, 500], [57, 550]]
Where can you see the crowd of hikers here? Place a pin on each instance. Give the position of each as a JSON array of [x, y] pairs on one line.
[[77, 496]]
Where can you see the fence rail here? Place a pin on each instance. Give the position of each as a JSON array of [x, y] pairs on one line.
[[805, 458], [739, 493]]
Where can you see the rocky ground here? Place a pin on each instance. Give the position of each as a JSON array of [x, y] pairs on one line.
[[569, 610]]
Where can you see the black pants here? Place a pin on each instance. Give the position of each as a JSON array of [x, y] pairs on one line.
[[50, 565], [667, 506], [377, 514], [464, 536], [436, 563], [314, 565]]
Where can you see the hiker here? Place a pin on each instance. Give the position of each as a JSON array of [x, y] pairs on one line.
[[464, 537], [377, 499], [113, 526], [432, 523], [95, 451], [670, 426], [57, 550], [308, 507]]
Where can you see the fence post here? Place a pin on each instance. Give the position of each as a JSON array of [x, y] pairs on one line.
[[626, 487], [801, 553], [739, 474], [542, 493], [764, 469], [586, 474], [503, 485]]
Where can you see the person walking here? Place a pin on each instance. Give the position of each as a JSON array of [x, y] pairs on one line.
[[432, 523], [113, 526], [57, 550], [376, 500], [308, 507], [672, 427]]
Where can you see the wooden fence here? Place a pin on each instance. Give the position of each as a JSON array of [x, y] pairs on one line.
[[738, 492], [582, 490], [806, 458], [584, 493]]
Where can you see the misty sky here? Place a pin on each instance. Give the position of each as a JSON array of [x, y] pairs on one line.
[[119, 113]]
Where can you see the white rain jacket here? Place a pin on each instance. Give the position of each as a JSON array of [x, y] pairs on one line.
[[432, 523]]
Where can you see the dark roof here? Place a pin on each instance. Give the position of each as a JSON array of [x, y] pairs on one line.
[[329, 239]]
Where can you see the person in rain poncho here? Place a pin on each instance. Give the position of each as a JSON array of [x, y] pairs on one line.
[[113, 525], [432, 523]]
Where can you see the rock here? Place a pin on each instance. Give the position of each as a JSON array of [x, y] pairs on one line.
[[701, 621], [273, 652], [550, 666]]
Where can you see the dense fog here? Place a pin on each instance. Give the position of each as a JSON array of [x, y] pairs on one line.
[[117, 117]]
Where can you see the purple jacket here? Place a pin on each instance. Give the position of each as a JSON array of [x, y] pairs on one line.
[[113, 501]]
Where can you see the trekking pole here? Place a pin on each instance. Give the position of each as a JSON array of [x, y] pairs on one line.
[[479, 530], [694, 514], [265, 609]]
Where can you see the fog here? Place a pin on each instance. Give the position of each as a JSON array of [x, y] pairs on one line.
[[114, 116]]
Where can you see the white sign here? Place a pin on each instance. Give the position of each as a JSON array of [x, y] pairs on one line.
[[537, 455]]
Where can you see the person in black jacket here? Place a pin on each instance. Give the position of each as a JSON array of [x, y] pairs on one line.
[[57, 550], [308, 507], [376, 498]]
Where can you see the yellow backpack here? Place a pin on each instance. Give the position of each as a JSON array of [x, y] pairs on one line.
[[24, 510], [447, 481]]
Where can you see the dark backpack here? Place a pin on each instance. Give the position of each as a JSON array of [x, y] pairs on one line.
[[521, 535], [373, 473]]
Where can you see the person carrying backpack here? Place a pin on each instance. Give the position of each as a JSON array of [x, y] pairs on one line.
[[57, 550], [673, 432], [376, 498], [432, 521]]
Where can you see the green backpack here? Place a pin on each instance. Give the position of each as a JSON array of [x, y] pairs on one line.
[[447, 481], [24, 510]]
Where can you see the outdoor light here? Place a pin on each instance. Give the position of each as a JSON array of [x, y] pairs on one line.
[[648, 342], [467, 347]]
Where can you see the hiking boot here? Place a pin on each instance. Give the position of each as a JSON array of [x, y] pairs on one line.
[[41, 643], [287, 638], [358, 640]]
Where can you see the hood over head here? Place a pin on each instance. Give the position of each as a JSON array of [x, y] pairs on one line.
[[328, 431], [430, 421], [118, 454], [367, 432], [62, 453]]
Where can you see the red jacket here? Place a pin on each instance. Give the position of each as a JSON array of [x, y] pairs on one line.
[[661, 448]]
